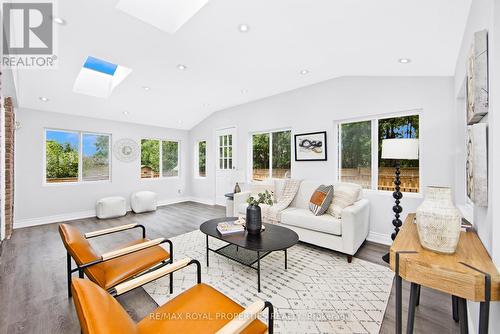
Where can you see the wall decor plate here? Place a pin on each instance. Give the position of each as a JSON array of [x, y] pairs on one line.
[[126, 150], [477, 164], [311, 146], [477, 78]]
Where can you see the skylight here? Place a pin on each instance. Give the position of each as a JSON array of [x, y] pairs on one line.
[[99, 77]]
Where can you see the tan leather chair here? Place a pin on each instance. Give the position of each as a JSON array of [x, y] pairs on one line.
[[201, 309], [111, 268]]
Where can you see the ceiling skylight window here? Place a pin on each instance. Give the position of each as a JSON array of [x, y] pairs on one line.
[[168, 16], [99, 77]]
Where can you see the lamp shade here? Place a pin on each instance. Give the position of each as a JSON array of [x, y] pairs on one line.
[[400, 148]]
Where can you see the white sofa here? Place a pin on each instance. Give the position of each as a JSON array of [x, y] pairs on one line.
[[344, 235]]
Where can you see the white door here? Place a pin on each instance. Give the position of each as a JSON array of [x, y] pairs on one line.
[[225, 163]]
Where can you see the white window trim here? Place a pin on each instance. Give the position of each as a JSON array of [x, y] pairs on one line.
[[196, 159], [80, 181], [250, 150], [374, 148], [161, 140]]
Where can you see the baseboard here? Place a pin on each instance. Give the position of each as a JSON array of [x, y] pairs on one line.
[[379, 238], [27, 222], [206, 201], [173, 201]]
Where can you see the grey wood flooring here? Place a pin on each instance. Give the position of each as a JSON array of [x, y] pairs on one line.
[[33, 267]]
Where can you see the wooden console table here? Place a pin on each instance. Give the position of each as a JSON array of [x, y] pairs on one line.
[[469, 274]]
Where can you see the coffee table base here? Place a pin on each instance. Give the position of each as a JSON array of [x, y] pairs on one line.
[[243, 256]]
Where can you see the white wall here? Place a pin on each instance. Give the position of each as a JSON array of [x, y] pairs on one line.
[[315, 108], [39, 203], [484, 14]]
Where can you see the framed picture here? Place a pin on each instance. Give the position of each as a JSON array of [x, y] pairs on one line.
[[310, 146], [477, 79], [477, 164]]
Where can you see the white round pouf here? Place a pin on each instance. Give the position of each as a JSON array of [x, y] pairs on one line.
[[111, 207], [143, 201]]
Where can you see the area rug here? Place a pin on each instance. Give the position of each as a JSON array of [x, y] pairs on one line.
[[319, 292]]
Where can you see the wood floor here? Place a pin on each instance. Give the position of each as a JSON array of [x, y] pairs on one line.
[[33, 267]]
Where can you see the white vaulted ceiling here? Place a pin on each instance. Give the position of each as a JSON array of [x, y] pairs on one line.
[[226, 67]]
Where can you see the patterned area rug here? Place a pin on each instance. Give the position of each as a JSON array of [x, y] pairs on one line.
[[319, 293]]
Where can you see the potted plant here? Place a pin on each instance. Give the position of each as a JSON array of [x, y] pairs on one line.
[[254, 214]]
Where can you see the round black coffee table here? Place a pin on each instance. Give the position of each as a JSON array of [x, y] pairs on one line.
[[253, 247]]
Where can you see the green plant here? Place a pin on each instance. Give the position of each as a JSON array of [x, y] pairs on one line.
[[262, 198]]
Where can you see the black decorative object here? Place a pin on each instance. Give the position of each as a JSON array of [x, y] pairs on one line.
[[311, 146], [396, 222], [254, 219]]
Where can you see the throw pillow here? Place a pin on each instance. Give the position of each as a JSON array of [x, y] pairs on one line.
[[321, 199], [346, 194]]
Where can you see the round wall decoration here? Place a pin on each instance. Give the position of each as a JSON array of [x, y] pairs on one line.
[[126, 150]]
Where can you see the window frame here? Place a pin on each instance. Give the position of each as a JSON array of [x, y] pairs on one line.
[[196, 159], [270, 133], [161, 140], [80, 180], [374, 148]]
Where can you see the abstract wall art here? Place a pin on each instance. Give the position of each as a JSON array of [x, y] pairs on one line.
[[477, 164], [477, 78]]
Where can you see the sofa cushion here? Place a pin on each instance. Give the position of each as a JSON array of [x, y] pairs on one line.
[[306, 219], [321, 200], [344, 195]]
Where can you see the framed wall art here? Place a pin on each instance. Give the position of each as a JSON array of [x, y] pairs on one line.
[[311, 146], [477, 98]]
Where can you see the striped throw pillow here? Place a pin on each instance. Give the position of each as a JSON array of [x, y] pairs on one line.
[[321, 200]]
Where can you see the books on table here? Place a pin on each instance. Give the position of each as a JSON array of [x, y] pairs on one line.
[[230, 228]]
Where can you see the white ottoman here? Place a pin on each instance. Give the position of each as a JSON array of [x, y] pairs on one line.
[[143, 201], [111, 207]]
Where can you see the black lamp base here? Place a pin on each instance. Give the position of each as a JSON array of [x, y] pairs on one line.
[[397, 209]]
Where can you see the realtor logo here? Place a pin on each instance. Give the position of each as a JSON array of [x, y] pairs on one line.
[[28, 39]]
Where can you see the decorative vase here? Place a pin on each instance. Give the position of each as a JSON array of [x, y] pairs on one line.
[[438, 221], [237, 188], [254, 219]]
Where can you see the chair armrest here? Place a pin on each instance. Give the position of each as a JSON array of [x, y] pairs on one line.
[[110, 230], [131, 249], [242, 320], [355, 225], [153, 275], [238, 199]]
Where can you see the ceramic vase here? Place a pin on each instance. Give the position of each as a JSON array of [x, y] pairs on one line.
[[254, 219], [438, 221]]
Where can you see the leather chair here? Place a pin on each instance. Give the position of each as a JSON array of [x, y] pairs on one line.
[[200, 309], [111, 268]]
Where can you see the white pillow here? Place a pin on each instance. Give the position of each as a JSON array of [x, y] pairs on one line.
[[344, 195]]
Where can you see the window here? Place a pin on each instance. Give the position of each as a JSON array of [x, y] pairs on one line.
[[152, 152], [170, 158], [271, 155], [201, 156], [72, 156], [356, 153], [360, 150], [226, 151], [95, 157]]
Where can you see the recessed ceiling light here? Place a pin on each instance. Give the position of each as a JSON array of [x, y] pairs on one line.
[[59, 20], [179, 122], [404, 60], [146, 88], [243, 28], [182, 67], [244, 91], [43, 98], [304, 72], [125, 113]]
